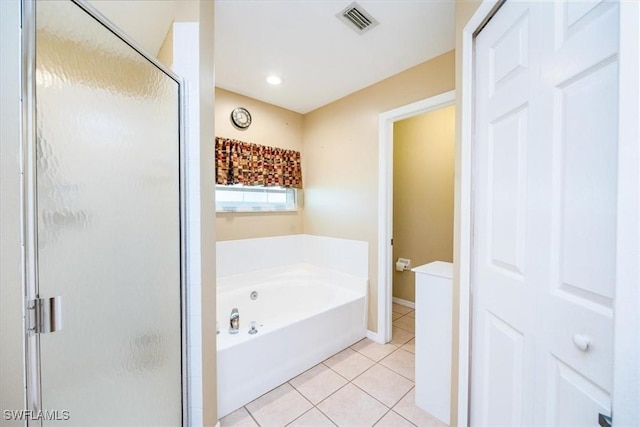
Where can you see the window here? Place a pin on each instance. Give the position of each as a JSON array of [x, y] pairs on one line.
[[238, 198]]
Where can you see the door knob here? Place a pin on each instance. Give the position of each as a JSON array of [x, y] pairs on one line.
[[582, 342]]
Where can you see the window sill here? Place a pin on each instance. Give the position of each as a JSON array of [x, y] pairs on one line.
[[255, 211]]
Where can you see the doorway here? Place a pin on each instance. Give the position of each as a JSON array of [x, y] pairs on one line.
[[385, 203], [423, 174]]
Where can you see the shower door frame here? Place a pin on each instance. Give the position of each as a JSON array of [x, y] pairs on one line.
[[33, 396]]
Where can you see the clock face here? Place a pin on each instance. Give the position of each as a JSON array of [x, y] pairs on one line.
[[241, 118]]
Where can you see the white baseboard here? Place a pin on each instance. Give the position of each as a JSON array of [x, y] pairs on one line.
[[404, 302], [374, 336]]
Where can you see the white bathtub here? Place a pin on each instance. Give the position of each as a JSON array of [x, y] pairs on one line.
[[304, 314]]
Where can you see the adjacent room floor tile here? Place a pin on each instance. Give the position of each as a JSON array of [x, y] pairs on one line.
[[401, 362], [397, 308], [410, 346], [391, 419], [395, 315], [278, 407], [373, 350], [412, 313], [406, 323], [238, 418], [317, 383], [384, 384], [408, 409], [349, 363], [312, 418], [352, 407], [400, 336]]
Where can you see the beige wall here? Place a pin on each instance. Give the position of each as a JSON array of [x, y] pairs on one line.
[[423, 162], [340, 159], [270, 125], [464, 11], [165, 54]]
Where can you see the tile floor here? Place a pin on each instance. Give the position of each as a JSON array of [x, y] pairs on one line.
[[366, 384]]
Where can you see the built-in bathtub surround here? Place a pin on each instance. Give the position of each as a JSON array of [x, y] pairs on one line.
[[244, 256], [302, 313], [305, 296]]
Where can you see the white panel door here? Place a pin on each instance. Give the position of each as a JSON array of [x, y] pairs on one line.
[[503, 344], [579, 93], [544, 214]]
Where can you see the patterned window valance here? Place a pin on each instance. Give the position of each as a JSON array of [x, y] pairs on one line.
[[244, 163]]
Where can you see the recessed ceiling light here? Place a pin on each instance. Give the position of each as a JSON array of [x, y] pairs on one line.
[[274, 80]]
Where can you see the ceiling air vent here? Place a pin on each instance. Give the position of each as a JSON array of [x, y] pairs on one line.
[[356, 18]]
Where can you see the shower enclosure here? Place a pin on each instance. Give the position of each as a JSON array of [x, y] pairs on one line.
[[103, 225]]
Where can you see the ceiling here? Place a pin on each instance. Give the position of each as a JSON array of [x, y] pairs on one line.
[[132, 18], [317, 56]]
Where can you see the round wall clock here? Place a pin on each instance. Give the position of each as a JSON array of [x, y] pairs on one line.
[[241, 118]]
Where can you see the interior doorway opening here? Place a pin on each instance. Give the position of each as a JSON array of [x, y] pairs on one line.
[[385, 204]]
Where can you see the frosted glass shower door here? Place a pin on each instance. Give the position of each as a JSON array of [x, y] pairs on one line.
[[108, 225]]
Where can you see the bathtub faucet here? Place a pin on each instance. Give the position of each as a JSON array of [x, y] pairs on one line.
[[234, 321]]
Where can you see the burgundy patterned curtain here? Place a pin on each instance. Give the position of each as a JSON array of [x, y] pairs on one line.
[[244, 163]]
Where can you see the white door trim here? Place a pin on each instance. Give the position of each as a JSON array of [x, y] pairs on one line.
[[385, 201], [626, 353], [462, 266], [626, 390]]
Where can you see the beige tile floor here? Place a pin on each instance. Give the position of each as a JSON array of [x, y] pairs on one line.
[[366, 384]]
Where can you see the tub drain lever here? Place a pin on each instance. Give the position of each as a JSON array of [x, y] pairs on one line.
[[253, 329]]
